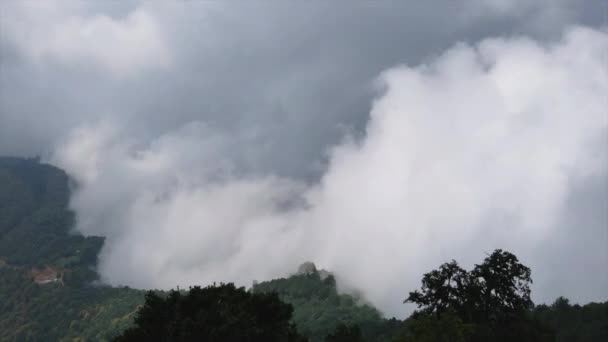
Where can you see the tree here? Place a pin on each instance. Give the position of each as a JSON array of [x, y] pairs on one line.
[[443, 289], [213, 313], [493, 299], [575, 323], [345, 333], [447, 327], [500, 287]]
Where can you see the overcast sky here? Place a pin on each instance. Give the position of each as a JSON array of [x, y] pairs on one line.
[[231, 141]]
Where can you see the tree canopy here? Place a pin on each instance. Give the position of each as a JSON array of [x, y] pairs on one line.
[[345, 333], [213, 313], [490, 302]]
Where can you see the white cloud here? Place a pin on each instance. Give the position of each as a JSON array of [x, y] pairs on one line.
[[172, 211], [64, 32], [473, 151]]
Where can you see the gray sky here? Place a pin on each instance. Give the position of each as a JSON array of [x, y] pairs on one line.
[[232, 141]]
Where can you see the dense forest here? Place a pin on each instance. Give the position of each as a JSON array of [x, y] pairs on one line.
[[49, 291], [47, 272]]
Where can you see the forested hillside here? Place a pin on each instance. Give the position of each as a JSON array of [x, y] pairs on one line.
[[318, 308], [46, 270], [49, 289], [35, 223], [576, 323], [57, 312]]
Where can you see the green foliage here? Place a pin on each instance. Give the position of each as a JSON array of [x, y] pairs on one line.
[[53, 312], [444, 289], [575, 323], [319, 309], [35, 226], [447, 327], [345, 333], [213, 313], [492, 291], [493, 300], [35, 222]]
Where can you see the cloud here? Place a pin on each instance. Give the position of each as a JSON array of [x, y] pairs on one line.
[[66, 34], [230, 141], [474, 151], [482, 147], [173, 213], [289, 77]]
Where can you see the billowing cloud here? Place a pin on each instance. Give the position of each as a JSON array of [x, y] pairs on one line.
[[475, 151], [65, 33], [176, 213], [485, 146], [290, 78]]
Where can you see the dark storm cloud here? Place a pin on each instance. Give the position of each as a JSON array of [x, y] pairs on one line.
[[290, 77]]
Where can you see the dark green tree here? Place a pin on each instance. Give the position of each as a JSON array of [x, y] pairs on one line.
[[443, 289], [575, 323], [500, 287], [345, 333], [214, 313], [493, 299], [446, 327]]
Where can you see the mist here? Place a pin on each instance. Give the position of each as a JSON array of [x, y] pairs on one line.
[[210, 145]]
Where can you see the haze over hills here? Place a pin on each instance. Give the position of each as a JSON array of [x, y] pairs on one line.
[[49, 288], [67, 301]]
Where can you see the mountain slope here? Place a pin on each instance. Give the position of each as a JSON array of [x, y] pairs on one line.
[[318, 307], [45, 270]]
